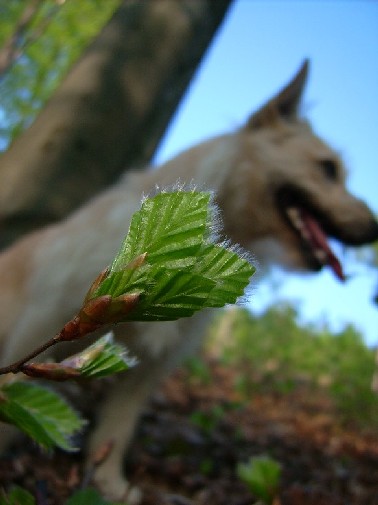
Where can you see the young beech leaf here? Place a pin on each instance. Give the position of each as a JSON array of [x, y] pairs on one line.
[[174, 294], [170, 227], [99, 360], [40, 413], [169, 261], [228, 270], [102, 358]]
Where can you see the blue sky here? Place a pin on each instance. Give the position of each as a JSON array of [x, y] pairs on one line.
[[259, 47]]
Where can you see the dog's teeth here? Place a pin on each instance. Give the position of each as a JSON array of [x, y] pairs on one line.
[[295, 217], [296, 220]]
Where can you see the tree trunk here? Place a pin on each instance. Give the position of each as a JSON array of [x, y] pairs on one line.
[[109, 112]]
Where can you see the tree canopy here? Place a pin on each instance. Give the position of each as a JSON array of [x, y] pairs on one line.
[[39, 41]]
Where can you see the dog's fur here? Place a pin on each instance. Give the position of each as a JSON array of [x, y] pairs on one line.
[[274, 162]]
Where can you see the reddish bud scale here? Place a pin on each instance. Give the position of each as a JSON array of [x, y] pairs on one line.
[[121, 306], [95, 310], [136, 262], [51, 371], [106, 310], [70, 330], [96, 283], [96, 313]]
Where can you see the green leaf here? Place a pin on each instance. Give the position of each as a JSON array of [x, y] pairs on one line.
[[102, 358], [40, 413], [169, 260], [18, 496], [228, 270], [170, 227], [174, 294]]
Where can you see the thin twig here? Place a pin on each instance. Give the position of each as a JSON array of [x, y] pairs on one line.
[[17, 366]]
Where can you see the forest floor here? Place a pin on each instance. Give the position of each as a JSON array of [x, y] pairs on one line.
[[196, 430]]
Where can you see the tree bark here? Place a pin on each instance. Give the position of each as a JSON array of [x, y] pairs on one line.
[[109, 113]]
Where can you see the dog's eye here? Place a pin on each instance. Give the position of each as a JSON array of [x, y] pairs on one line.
[[329, 168]]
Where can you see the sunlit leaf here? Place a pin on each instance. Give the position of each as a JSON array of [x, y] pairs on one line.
[[228, 270], [170, 227], [169, 259]]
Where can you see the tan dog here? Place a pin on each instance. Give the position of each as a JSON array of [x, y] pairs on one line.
[[281, 192]]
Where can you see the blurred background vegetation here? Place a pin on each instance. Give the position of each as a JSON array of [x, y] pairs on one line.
[[39, 41], [274, 353]]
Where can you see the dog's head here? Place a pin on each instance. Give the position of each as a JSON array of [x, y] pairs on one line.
[[286, 195]]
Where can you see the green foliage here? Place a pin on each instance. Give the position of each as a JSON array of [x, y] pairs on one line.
[[101, 359], [40, 413], [169, 260], [281, 354], [168, 267], [262, 475], [55, 38]]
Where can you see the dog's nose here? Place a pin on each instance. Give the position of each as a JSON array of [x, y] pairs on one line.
[[364, 232], [360, 224]]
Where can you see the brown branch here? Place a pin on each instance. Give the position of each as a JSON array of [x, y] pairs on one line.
[[95, 313], [17, 366]]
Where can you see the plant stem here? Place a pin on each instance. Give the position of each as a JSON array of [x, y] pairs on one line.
[[17, 366]]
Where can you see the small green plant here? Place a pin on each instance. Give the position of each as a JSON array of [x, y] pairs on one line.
[[262, 476]]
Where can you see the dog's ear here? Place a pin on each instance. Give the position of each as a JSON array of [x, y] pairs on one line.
[[285, 104]]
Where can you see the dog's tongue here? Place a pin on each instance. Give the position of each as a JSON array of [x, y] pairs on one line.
[[319, 242]]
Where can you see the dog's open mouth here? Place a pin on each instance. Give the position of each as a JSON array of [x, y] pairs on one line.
[[315, 239], [312, 234]]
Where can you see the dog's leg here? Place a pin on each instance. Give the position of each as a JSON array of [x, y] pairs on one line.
[[167, 343], [116, 424]]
